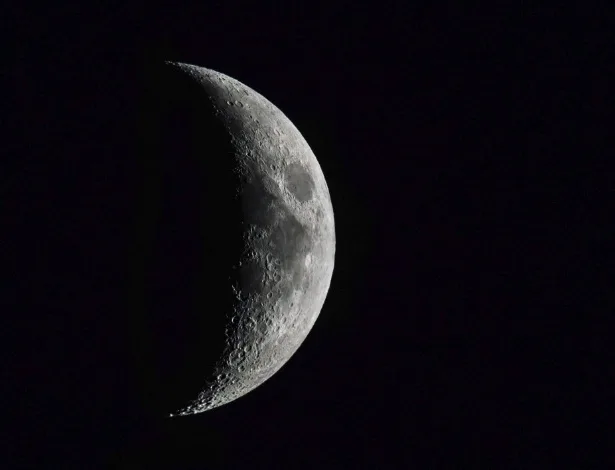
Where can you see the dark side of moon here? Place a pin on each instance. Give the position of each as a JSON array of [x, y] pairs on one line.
[[237, 240]]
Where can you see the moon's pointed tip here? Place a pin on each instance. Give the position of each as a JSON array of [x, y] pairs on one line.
[[173, 63], [177, 64]]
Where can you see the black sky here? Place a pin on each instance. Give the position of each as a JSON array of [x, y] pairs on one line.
[[467, 155]]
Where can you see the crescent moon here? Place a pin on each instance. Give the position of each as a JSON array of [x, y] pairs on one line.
[[281, 275]]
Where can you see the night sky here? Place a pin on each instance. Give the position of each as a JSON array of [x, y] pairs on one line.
[[467, 156]]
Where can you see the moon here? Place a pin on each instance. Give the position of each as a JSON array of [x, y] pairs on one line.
[[270, 239]]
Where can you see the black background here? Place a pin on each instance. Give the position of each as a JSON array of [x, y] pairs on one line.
[[467, 152]]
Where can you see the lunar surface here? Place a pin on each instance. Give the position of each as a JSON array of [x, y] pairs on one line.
[[261, 210]]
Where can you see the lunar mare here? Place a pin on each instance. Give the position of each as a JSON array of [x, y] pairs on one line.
[[283, 273]]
